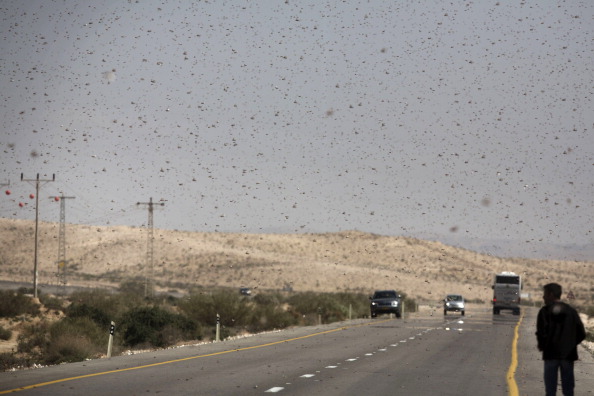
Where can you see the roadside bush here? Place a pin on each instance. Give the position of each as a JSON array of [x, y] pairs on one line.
[[5, 334], [95, 314], [15, 303], [154, 326], [307, 303], [12, 360], [34, 338], [268, 299], [101, 303], [359, 303], [55, 303], [269, 316], [232, 308], [74, 340], [332, 307], [68, 349]]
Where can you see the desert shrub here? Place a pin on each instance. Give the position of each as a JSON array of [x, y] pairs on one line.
[[304, 303], [73, 340], [16, 303], [79, 327], [156, 327], [269, 299], [50, 302], [12, 360], [268, 317], [332, 307], [66, 348], [5, 334], [358, 302], [262, 312], [96, 314], [34, 338], [231, 307], [105, 304]]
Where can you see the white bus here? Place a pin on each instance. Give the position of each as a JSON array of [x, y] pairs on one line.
[[506, 292]]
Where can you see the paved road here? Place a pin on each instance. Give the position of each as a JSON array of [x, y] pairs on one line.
[[421, 354]]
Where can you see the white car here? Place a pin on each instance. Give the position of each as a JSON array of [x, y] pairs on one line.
[[453, 302]]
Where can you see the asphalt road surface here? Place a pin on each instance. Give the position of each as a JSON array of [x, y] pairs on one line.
[[422, 354]]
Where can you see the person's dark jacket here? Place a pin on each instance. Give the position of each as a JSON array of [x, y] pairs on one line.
[[559, 330]]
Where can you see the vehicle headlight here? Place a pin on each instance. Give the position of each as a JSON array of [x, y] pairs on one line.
[[394, 303], [447, 304], [373, 303]]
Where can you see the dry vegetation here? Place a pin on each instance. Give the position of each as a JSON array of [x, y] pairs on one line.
[[343, 261]]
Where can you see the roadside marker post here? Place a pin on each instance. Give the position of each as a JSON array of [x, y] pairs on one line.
[[110, 343], [218, 331]]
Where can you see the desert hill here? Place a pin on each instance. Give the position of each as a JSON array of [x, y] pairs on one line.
[[342, 261]]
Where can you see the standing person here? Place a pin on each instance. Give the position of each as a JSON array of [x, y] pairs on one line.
[[559, 330]]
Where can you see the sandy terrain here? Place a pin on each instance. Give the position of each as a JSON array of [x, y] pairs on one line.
[[344, 261], [348, 260]]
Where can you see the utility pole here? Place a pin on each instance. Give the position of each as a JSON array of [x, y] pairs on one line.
[[148, 280], [38, 182], [62, 270]]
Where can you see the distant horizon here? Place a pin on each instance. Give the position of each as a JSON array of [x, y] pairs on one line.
[[492, 247]]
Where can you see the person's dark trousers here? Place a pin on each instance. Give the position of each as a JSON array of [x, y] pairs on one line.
[[551, 368]]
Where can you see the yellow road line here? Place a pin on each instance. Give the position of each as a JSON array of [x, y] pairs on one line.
[[184, 359], [511, 380]]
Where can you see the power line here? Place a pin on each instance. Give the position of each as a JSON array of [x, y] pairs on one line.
[[148, 280], [62, 263], [38, 182]]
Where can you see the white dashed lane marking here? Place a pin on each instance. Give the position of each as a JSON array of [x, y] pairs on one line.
[[278, 388]]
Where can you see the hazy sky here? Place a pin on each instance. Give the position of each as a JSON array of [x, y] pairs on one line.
[[416, 118]]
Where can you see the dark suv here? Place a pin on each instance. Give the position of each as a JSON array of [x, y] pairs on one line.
[[386, 301]]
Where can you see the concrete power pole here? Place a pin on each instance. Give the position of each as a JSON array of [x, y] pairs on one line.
[[149, 270], [62, 264], [37, 181]]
